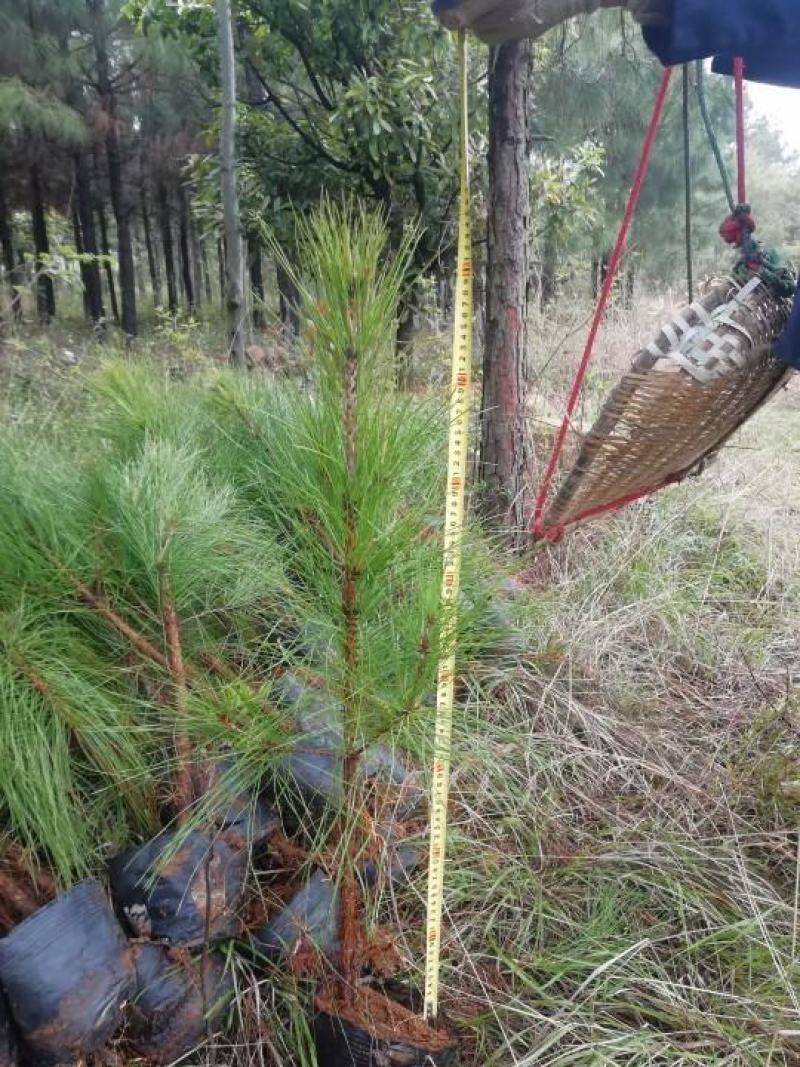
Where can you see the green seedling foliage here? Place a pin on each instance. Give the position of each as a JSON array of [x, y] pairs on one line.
[[158, 516], [289, 449], [133, 403], [72, 747]]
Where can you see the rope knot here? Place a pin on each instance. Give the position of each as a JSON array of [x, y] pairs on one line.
[[754, 259], [552, 534], [737, 228]]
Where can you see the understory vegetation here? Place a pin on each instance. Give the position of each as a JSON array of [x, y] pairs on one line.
[[623, 876]]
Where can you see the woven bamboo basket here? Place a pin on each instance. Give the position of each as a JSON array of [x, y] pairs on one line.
[[703, 376]]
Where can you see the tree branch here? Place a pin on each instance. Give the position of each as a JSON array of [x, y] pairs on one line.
[[318, 148], [322, 96]]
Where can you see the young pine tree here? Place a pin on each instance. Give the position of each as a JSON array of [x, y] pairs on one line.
[[350, 474]]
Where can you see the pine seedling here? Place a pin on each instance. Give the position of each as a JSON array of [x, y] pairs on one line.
[[117, 576], [134, 403], [349, 476], [183, 558]]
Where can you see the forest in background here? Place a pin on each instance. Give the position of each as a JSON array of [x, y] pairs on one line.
[[109, 127]]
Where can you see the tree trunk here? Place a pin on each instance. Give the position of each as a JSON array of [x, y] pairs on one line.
[[166, 244], [404, 337], [90, 271], [152, 261], [142, 272], [122, 214], [289, 301], [120, 200], [445, 297], [112, 285], [256, 281], [200, 288], [45, 291], [186, 259], [206, 270], [504, 445], [234, 256], [221, 267], [7, 244], [605, 259], [77, 237]]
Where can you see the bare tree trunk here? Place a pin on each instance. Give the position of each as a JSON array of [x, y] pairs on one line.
[[504, 445], [152, 261], [45, 291], [77, 237], [85, 209], [404, 337], [7, 244], [166, 244], [206, 270], [221, 267], [256, 281], [186, 260], [142, 270], [112, 286], [200, 289], [234, 255], [289, 301], [120, 200]]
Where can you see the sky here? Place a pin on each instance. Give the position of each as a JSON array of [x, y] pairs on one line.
[[781, 107]]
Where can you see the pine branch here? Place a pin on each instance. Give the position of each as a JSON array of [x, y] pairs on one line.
[[184, 784], [104, 609]]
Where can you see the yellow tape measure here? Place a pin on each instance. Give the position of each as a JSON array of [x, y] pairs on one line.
[[453, 530]]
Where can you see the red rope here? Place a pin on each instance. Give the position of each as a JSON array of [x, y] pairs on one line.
[[741, 163], [602, 303]]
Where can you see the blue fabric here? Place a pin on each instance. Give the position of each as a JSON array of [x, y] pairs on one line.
[[765, 33], [788, 346]]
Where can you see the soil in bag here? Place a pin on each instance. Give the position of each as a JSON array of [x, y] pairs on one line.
[[315, 763], [179, 1002], [311, 916], [67, 972], [186, 900], [244, 817], [374, 1031]]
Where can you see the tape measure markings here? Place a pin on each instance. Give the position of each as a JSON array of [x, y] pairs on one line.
[[453, 531]]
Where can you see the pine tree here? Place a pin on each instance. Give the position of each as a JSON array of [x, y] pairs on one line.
[[503, 447], [234, 246], [38, 124]]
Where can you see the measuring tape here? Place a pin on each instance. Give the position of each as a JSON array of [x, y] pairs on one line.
[[453, 531]]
